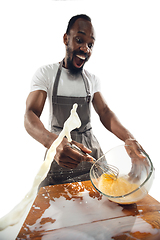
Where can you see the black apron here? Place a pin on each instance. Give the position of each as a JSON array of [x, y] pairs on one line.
[[62, 106]]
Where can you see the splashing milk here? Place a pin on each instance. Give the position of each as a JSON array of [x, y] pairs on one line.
[[17, 212]]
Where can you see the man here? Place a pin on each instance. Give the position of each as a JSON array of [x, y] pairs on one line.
[[64, 84]]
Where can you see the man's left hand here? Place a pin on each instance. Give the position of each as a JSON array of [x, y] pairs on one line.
[[137, 148], [138, 158]]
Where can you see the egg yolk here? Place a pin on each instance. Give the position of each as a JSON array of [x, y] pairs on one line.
[[118, 187]]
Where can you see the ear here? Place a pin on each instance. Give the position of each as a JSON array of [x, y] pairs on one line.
[[65, 39]]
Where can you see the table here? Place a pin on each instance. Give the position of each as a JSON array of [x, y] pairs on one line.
[[76, 211]]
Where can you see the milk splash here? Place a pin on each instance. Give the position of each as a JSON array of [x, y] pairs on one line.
[[17, 212]]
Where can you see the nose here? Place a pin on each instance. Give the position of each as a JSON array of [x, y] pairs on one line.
[[85, 48]]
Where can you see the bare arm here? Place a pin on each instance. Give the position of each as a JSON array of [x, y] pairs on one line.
[[111, 122], [65, 156], [109, 119], [34, 107]]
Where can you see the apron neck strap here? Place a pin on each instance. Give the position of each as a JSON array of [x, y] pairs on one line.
[[55, 86], [86, 83]]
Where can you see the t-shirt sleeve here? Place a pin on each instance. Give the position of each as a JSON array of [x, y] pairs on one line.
[[96, 84], [40, 80]]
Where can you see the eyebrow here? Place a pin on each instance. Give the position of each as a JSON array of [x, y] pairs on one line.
[[85, 34]]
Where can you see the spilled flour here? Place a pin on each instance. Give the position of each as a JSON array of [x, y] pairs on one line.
[[17, 212]]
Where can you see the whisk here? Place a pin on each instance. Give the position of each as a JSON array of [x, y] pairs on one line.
[[108, 170]]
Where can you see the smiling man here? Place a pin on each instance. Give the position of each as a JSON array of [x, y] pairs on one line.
[[79, 41], [64, 84]]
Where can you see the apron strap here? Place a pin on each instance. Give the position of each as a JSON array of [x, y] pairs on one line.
[[86, 83], [55, 86]]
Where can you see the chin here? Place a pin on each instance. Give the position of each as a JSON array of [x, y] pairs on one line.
[[74, 70]]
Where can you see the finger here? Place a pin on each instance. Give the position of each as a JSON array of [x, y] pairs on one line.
[[137, 170], [130, 151], [138, 149], [75, 155], [132, 145], [139, 152], [65, 161], [82, 147], [134, 175], [78, 148]]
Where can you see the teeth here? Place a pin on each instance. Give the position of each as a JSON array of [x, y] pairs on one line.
[[81, 57]]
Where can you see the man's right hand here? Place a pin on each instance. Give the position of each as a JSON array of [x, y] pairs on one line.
[[68, 157]]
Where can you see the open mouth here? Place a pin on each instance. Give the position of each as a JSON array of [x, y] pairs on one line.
[[78, 60]]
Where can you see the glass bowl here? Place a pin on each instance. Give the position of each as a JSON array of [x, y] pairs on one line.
[[135, 177]]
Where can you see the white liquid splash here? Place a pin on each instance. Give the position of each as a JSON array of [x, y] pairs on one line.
[[17, 212]]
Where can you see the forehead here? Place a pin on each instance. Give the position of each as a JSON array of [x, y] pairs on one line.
[[83, 26]]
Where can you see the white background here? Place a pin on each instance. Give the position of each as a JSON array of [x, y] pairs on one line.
[[126, 58]]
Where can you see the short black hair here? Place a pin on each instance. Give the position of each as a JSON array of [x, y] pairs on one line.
[[74, 18]]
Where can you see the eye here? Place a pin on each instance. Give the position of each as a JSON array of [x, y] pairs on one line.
[[79, 40], [90, 45]]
